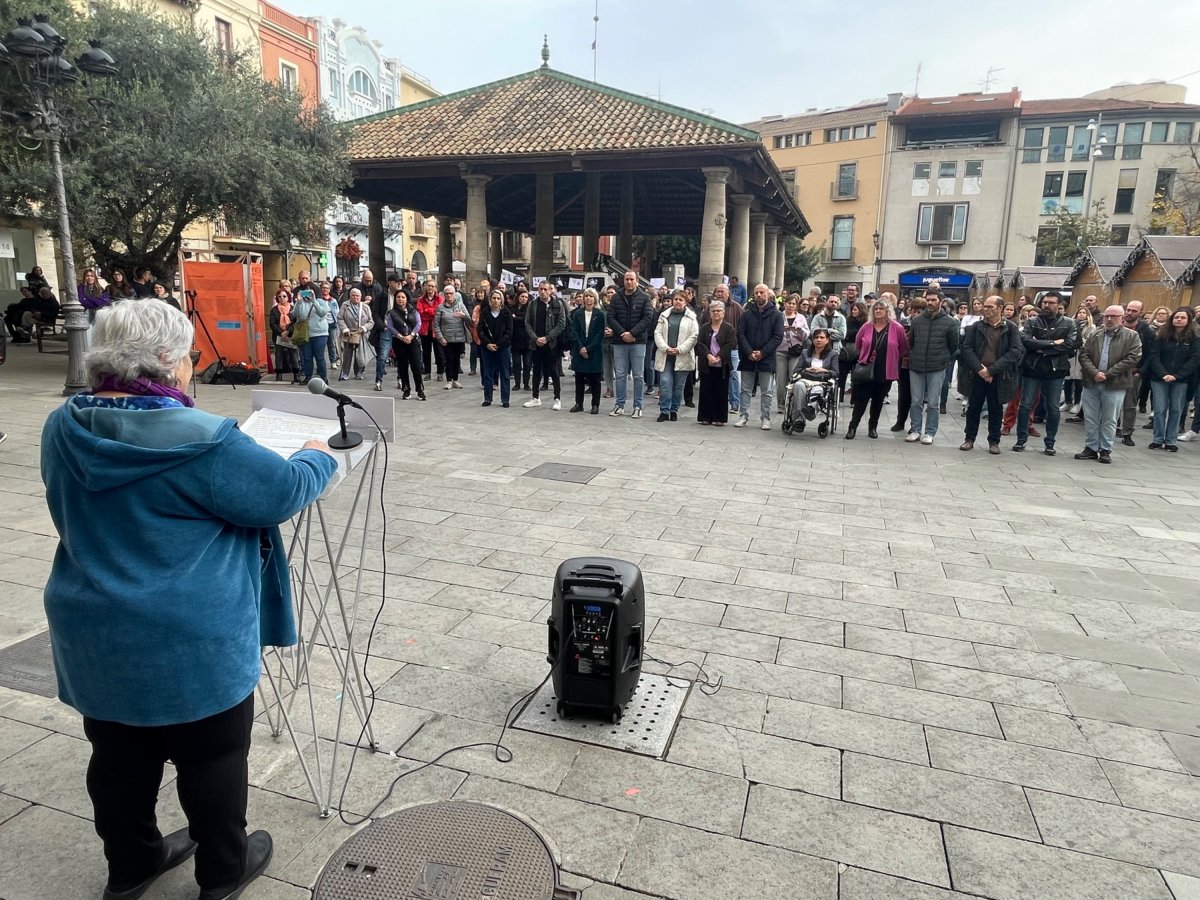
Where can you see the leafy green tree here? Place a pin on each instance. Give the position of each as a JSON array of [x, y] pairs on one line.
[[1071, 235], [800, 263], [192, 134]]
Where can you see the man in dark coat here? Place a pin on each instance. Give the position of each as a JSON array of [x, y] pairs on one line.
[[987, 369], [628, 325], [1051, 340], [760, 332], [934, 342]]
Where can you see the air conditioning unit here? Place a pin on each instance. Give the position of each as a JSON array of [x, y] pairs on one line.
[[939, 251]]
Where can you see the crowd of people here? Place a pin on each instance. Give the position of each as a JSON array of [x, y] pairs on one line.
[[1017, 365]]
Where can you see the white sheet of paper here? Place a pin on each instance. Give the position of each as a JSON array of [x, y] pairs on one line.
[[285, 433]]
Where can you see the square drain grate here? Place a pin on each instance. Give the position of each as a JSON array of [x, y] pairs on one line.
[[28, 666], [564, 472], [645, 728]]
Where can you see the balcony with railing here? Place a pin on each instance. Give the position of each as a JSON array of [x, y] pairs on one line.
[[843, 189], [222, 231]]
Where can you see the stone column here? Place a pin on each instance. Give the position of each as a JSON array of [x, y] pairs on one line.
[[781, 261], [758, 239], [712, 229], [591, 218], [769, 257], [497, 255], [445, 251], [376, 258], [477, 228], [739, 238], [542, 260], [625, 234], [650, 255]]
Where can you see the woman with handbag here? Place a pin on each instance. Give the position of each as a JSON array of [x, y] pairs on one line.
[[881, 344], [915, 307], [282, 326], [855, 320], [714, 362], [354, 323], [450, 329], [431, 350], [311, 333], [787, 354]]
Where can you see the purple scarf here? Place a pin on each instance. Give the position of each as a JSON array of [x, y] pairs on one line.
[[142, 387]]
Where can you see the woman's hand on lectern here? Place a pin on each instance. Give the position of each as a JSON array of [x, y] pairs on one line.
[[317, 445]]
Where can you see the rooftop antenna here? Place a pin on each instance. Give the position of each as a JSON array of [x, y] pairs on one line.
[[992, 72], [595, 37], [917, 82]]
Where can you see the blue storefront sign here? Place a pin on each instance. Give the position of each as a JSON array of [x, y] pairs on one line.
[[926, 277]]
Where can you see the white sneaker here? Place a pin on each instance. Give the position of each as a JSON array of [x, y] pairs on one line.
[[1188, 436], [532, 402], [637, 413], [741, 422], [556, 405], [617, 411], [927, 439], [766, 425], [912, 437]]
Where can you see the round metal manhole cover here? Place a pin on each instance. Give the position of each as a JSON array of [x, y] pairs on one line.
[[451, 850]]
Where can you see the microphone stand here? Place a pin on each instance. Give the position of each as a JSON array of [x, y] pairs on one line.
[[344, 440]]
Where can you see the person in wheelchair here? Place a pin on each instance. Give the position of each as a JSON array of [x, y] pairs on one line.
[[813, 381]]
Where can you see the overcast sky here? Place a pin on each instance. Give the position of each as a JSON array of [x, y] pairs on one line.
[[743, 60]]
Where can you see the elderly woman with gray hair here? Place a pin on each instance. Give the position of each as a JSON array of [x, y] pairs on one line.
[[715, 347], [170, 575]]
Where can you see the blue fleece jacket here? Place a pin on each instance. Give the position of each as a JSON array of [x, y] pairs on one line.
[[167, 521]]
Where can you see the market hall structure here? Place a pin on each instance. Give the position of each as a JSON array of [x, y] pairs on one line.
[[547, 154]]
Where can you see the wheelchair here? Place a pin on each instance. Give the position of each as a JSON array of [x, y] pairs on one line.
[[810, 398]]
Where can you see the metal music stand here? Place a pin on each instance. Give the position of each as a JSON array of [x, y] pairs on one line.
[[326, 599]]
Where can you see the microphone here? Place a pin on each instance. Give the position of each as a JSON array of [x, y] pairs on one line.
[[343, 440], [321, 389]]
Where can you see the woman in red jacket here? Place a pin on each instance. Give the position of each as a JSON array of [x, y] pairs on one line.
[[881, 345], [427, 305]]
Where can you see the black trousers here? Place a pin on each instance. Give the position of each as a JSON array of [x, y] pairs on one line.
[[714, 395], [522, 367], [452, 353], [873, 393], [982, 392], [431, 348], [904, 398], [124, 775], [591, 381], [545, 365], [408, 359]]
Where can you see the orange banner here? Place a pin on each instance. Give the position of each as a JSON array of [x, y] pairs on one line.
[[228, 302]]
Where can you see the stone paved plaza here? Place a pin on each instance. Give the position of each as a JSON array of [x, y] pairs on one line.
[[944, 674]]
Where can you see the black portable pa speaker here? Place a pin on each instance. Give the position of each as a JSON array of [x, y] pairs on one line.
[[597, 616]]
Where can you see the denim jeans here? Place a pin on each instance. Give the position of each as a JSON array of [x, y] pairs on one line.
[[493, 364], [670, 385], [648, 371], [735, 381], [629, 359], [926, 395], [331, 344], [382, 348], [1101, 410], [1051, 390], [1169, 402], [313, 350], [949, 380], [765, 382]]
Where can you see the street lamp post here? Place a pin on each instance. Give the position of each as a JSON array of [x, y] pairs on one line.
[[38, 55], [1095, 151]]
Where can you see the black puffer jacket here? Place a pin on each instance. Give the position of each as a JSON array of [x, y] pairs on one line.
[[1043, 357], [630, 313], [933, 342], [759, 329]]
